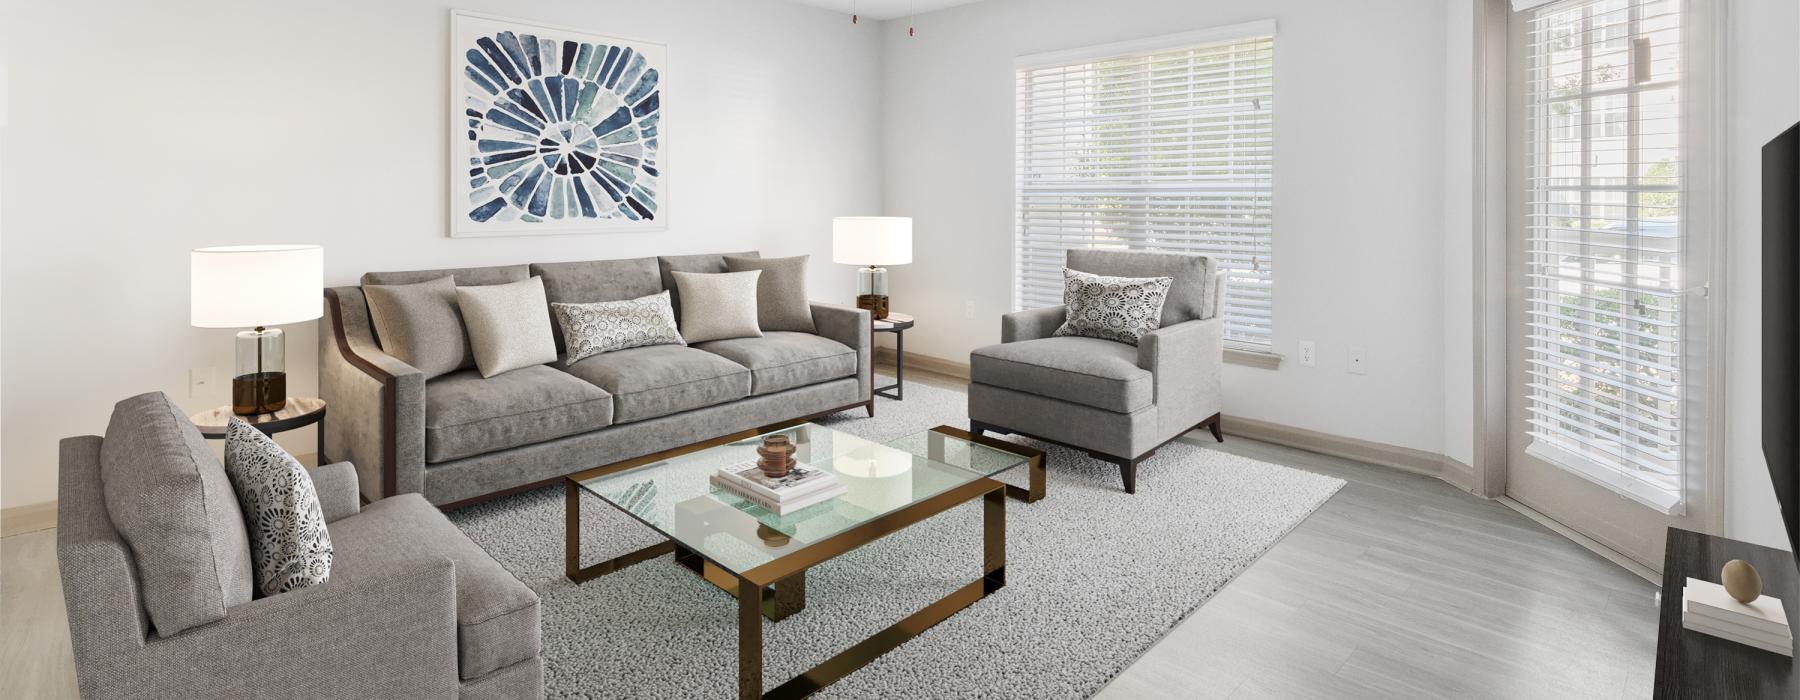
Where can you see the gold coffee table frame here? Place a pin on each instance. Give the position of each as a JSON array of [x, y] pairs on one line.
[[777, 589]]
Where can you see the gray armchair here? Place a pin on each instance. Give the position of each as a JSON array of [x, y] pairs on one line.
[[160, 601], [1119, 403]]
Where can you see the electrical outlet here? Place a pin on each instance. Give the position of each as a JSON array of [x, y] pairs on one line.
[[200, 382], [1309, 353], [968, 309], [1357, 365]]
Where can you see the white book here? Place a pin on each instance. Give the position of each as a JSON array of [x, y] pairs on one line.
[[800, 481], [1740, 635], [1710, 600], [783, 507]]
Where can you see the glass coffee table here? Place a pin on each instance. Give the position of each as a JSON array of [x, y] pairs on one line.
[[761, 558]]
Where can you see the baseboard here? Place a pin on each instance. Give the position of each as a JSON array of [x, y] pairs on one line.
[[936, 365], [1404, 459], [33, 517], [1592, 545]]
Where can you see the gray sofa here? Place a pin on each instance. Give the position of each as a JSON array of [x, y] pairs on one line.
[[1119, 403], [156, 576], [459, 438]]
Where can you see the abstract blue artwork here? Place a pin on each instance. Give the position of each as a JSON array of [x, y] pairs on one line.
[[553, 130]]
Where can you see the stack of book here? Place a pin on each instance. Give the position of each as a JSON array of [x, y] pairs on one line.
[[1762, 623], [803, 486]]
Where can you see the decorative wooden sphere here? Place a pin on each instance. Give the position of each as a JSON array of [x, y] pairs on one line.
[[1741, 580]]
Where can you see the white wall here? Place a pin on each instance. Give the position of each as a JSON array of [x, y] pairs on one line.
[[1762, 100], [138, 131], [1359, 221], [1457, 230]]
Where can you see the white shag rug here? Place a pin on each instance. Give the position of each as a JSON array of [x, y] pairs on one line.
[[1094, 577]]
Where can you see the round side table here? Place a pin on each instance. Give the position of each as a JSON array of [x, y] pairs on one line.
[[300, 411], [895, 323]]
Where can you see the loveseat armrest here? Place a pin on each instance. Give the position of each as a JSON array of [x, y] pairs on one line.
[[1185, 361], [388, 632], [1031, 324], [336, 485], [850, 326], [377, 417]]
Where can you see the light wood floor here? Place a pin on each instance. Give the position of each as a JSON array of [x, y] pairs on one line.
[[1399, 586]]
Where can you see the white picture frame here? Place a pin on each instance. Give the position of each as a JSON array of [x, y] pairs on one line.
[[554, 130]]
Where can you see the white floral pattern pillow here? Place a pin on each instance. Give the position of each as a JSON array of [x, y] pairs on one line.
[[1112, 308], [591, 329], [290, 548]]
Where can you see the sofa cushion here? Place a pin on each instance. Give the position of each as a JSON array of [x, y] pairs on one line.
[[169, 498], [496, 615], [668, 265], [782, 360], [290, 548], [1087, 371], [1190, 297], [781, 303], [507, 330], [595, 281], [421, 324], [465, 276], [659, 380], [718, 306], [466, 414]]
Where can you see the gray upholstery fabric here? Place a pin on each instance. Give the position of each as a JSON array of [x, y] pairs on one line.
[[782, 360], [521, 680], [1185, 359], [849, 326], [170, 499], [1108, 432], [1190, 298], [357, 426], [421, 324], [781, 303], [1032, 324], [1088, 371], [496, 614], [462, 479], [658, 380], [498, 274], [506, 329], [337, 489], [705, 262], [387, 631], [467, 414], [595, 281]]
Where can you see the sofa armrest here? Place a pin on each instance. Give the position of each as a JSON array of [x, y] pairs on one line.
[[387, 632], [1185, 361], [377, 417], [336, 485], [850, 326], [1031, 324]]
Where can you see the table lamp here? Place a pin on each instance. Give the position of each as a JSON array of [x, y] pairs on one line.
[[871, 241], [257, 287]]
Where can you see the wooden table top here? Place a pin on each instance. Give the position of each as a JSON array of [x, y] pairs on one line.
[[1694, 665], [299, 411]]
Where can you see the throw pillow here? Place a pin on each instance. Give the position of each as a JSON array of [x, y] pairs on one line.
[[508, 328], [290, 546], [781, 303], [717, 306], [419, 324], [605, 326], [1112, 308]]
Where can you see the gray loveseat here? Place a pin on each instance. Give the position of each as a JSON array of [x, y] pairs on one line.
[[460, 438], [156, 575]]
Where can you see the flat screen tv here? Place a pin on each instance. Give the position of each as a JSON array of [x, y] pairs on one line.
[[1781, 324]]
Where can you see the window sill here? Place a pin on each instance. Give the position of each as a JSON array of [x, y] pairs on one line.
[[1252, 358]]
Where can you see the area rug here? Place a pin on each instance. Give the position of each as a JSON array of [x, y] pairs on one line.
[[1094, 577]]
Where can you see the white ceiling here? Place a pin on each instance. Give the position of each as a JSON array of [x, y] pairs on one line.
[[885, 9]]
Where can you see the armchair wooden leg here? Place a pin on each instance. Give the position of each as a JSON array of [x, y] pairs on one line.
[[977, 428], [1214, 422], [870, 407]]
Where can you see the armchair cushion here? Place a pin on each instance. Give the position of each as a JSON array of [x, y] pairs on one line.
[[170, 500], [467, 414], [1190, 297], [1087, 371], [496, 615], [782, 360], [289, 544]]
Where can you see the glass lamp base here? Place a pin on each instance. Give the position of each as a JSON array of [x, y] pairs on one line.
[[260, 392]]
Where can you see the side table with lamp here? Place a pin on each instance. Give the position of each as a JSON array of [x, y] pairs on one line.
[[258, 287], [870, 242]]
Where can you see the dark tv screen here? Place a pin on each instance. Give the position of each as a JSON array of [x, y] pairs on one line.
[[1781, 323]]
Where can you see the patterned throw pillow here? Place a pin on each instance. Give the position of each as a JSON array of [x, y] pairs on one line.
[[1112, 308], [289, 545], [591, 329]]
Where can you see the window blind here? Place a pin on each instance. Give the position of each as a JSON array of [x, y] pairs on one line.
[[1604, 243], [1153, 147]]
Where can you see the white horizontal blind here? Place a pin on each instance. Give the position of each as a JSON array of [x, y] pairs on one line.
[[1166, 149], [1604, 244]]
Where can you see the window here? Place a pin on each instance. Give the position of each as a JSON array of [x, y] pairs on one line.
[[1161, 145], [1607, 223]]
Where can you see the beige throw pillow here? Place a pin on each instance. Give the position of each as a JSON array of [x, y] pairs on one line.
[[509, 326], [781, 303], [717, 306], [419, 324]]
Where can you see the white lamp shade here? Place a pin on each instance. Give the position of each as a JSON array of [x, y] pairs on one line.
[[256, 285], [871, 240]]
